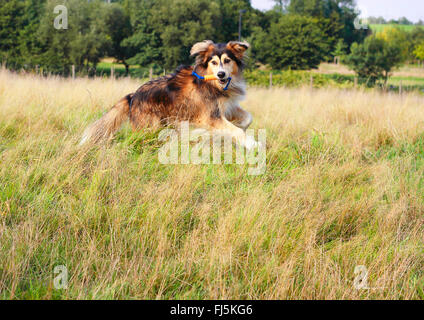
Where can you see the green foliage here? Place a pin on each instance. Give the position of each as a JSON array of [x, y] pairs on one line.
[[165, 30], [408, 37], [340, 16], [340, 49], [294, 42], [13, 18], [400, 38], [374, 59], [160, 33], [296, 78], [307, 35], [145, 41], [417, 39], [118, 28], [84, 42], [419, 51]]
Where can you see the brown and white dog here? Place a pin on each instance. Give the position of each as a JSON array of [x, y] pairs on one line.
[[212, 105]]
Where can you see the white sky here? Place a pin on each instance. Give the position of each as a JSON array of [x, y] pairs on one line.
[[389, 9]]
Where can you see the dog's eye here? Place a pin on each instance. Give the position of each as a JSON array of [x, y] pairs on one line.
[[214, 63], [227, 60]]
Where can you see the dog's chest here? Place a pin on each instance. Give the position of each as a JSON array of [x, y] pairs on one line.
[[229, 104]]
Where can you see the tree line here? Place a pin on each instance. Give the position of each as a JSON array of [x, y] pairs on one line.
[[158, 34], [401, 21], [296, 34]]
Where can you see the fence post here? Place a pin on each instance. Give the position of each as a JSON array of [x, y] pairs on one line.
[[312, 82], [73, 72], [270, 80], [112, 72], [151, 74], [400, 88], [355, 82]]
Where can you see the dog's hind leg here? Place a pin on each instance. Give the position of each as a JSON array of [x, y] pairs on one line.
[[141, 116], [239, 117], [106, 126]]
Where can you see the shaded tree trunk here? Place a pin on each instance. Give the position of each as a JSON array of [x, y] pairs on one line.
[[127, 67]]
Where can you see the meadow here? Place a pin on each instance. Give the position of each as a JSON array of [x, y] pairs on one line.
[[381, 27], [343, 187], [410, 77]]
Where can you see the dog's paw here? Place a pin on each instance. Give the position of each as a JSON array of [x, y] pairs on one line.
[[250, 143]]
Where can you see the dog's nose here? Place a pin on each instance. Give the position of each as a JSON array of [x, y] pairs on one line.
[[221, 74]]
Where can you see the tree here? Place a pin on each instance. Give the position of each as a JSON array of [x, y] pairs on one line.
[[404, 21], [416, 37], [340, 50], [12, 21], [160, 33], [83, 44], [293, 42], [419, 52], [340, 16], [145, 42], [165, 30], [374, 59], [281, 5], [376, 20], [118, 28], [398, 37]]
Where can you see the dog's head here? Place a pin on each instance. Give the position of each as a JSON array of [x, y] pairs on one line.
[[223, 60]]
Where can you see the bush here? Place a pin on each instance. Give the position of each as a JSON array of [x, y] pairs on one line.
[[291, 78], [419, 52], [374, 59]]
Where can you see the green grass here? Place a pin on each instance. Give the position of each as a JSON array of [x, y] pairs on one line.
[[410, 83], [381, 27], [104, 68], [303, 78], [344, 186]]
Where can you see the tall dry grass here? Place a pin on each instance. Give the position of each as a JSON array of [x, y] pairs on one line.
[[343, 187]]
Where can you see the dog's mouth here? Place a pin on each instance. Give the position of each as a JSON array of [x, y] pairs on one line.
[[223, 81]]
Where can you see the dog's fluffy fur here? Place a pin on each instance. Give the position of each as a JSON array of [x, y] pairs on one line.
[[183, 97]]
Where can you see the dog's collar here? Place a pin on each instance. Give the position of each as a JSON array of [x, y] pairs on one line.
[[198, 76]]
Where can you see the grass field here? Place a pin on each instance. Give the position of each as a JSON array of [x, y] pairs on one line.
[[104, 68], [411, 76], [344, 187], [381, 27]]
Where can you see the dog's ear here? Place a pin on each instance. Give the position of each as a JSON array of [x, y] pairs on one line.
[[201, 47], [238, 48]]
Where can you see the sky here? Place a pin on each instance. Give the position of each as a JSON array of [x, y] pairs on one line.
[[389, 9]]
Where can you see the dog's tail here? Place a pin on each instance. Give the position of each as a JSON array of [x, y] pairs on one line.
[[106, 126]]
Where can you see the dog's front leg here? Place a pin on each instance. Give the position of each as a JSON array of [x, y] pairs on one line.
[[222, 126], [239, 117]]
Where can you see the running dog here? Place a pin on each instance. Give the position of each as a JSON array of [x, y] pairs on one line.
[[186, 96]]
